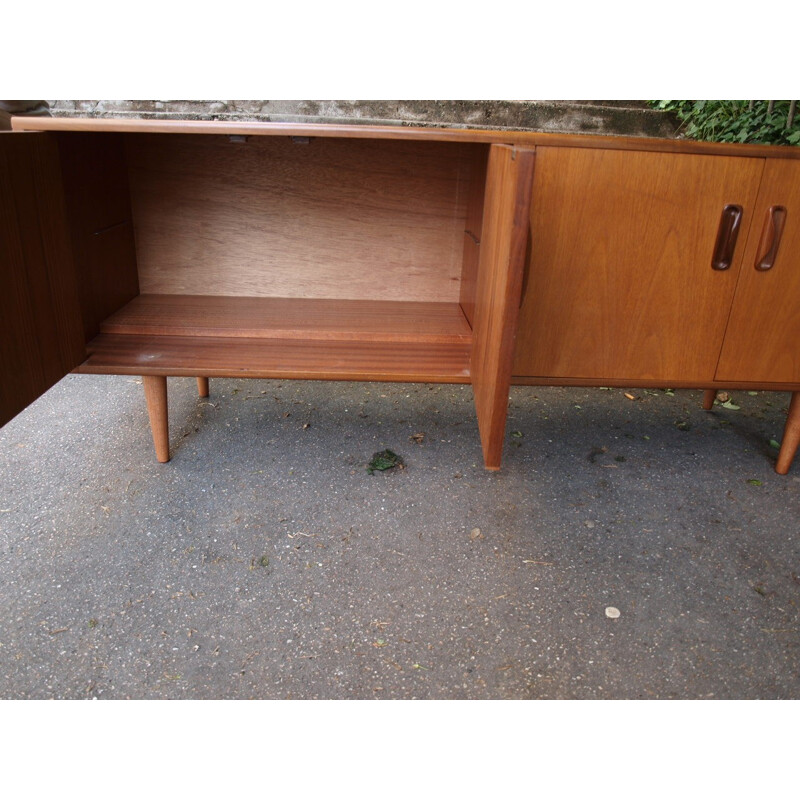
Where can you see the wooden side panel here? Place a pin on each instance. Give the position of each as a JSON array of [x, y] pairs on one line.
[[621, 284], [99, 213], [472, 234], [761, 342], [319, 218], [503, 246], [41, 336]]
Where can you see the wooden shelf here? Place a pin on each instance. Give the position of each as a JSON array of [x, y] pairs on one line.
[[278, 337], [291, 318], [129, 354]]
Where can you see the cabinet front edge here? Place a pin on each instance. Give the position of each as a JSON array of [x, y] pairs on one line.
[[444, 134]]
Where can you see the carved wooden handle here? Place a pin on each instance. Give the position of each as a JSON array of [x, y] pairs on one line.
[[771, 238], [727, 235]]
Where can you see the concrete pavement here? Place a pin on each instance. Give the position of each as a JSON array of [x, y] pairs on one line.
[[264, 561]]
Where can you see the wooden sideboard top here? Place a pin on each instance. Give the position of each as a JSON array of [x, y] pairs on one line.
[[513, 137]]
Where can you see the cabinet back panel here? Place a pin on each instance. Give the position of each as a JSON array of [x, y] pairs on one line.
[[330, 218]]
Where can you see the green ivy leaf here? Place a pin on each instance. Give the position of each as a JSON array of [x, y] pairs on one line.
[[734, 121]]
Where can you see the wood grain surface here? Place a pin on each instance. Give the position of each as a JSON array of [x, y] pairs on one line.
[[155, 392], [41, 332], [400, 133], [291, 318], [123, 354], [620, 281], [791, 436], [767, 386], [761, 340], [499, 283], [99, 214], [377, 220], [472, 234]]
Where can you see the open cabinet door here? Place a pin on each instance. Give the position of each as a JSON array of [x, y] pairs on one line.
[[41, 329], [504, 241]]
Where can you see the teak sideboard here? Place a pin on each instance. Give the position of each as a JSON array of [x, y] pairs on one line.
[[260, 250]]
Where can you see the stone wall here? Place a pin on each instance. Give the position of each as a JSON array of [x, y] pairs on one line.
[[625, 118]]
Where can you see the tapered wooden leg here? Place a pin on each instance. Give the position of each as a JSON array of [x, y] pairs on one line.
[[202, 387], [709, 396], [155, 392], [791, 436]]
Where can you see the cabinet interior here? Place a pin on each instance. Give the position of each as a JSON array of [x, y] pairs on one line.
[[189, 248]]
